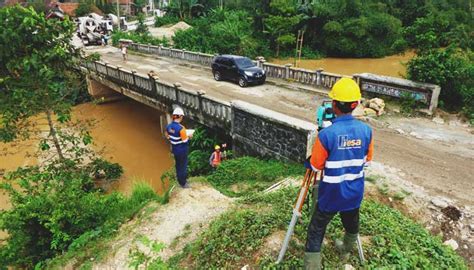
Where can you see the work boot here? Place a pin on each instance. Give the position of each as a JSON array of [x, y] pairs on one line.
[[312, 260], [345, 247]]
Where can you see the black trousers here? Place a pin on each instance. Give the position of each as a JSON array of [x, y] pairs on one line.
[[319, 222]]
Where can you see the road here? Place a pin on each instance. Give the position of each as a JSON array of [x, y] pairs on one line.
[[441, 167]]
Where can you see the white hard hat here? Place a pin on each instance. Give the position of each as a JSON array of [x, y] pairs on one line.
[[178, 111]]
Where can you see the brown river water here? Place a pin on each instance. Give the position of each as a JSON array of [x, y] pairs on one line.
[[131, 135], [388, 66]]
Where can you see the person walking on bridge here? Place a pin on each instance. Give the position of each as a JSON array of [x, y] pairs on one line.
[[179, 139], [341, 151]]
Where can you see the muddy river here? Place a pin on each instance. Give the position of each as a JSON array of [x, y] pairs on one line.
[[389, 66], [131, 135]]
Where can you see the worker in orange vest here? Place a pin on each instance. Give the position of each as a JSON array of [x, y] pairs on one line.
[[216, 157]]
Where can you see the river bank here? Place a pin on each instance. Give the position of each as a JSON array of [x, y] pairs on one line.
[[126, 131]]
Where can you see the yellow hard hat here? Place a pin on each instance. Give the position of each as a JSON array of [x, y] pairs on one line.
[[345, 90], [217, 147]]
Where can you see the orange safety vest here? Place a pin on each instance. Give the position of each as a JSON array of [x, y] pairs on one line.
[[217, 158]]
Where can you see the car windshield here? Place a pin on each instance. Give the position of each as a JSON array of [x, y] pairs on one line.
[[243, 62]]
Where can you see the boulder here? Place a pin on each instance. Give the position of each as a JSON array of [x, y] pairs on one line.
[[377, 104], [370, 112]]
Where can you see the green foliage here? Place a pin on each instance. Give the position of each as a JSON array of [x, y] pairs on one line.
[[165, 20], [395, 241], [202, 140], [241, 176], [408, 103], [104, 169], [142, 28], [148, 260], [51, 207], [144, 39], [37, 74], [198, 163], [93, 243], [450, 68], [220, 31], [84, 8]]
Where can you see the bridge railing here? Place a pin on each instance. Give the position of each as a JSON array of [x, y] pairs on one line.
[[425, 93], [194, 103]]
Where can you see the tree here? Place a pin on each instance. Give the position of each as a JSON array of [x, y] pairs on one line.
[[142, 28], [37, 75], [282, 22]]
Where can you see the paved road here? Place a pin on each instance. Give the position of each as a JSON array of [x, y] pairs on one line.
[[441, 168]]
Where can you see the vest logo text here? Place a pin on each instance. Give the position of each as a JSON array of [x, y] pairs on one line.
[[345, 143]]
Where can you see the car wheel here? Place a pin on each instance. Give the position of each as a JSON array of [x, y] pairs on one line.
[[217, 76], [242, 82]]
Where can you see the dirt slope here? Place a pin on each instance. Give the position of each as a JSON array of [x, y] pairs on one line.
[[187, 213]]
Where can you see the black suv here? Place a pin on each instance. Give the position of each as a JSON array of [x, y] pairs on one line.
[[237, 68]]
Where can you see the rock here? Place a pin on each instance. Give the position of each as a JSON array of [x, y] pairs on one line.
[[439, 202], [438, 120], [370, 112], [246, 267], [452, 243], [378, 105], [471, 227], [348, 267], [399, 130], [416, 135]]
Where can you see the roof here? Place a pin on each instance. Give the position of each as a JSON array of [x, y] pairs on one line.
[[231, 56]]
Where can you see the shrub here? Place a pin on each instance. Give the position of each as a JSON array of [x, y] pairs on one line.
[[54, 208], [451, 69], [199, 163], [165, 20], [84, 8], [251, 174], [138, 38]]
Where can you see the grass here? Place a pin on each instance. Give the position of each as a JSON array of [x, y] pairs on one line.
[[95, 244], [246, 175], [238, 237]]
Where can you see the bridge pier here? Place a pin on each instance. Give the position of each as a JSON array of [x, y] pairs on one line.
[[102, 92]]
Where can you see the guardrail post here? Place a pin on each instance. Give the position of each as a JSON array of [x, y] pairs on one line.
[[148, 48], [159, 48], [200, 94], [106, 68], [177, 87], [318, 76], [183, 51], [134, 80], [119, 68], [287, 71], [153, 80]]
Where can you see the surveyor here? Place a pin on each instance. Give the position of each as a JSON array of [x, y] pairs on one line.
[[179, 139], [340, 151], [216, 157]]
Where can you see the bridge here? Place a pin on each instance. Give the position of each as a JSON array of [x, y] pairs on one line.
[[268, 120]]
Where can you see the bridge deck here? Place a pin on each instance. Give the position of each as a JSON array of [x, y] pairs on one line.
[[298, 104]]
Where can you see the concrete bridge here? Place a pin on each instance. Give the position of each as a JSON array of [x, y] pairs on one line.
[[254, 130], [179, 80]]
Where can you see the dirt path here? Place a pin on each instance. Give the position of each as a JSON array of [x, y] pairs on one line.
[[174, 224], [442, 165]]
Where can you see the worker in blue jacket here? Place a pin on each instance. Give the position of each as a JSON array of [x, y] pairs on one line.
[[341, 151], [179, 139]]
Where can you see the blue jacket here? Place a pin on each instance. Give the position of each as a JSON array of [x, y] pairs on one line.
[[342, 150], [176, 133]]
